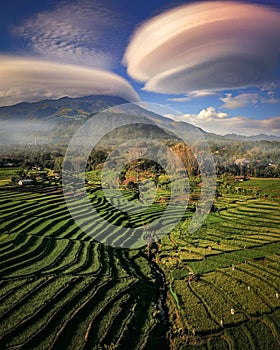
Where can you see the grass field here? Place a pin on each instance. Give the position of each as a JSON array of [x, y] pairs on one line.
[[60, 289]]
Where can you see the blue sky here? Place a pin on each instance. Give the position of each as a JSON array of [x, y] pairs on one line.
[[216, 62]]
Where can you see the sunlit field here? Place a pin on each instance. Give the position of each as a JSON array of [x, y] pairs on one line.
[[60, 288]]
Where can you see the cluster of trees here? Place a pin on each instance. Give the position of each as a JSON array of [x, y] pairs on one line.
[[263, 157], [40, 157], [254, 169]]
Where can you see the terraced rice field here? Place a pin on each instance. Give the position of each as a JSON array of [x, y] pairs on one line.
[[225, 279], [6, 174], [60, 289]]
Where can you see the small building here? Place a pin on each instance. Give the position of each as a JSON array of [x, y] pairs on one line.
[[25, 182], [242, 161], [58, 176], [240, 178]]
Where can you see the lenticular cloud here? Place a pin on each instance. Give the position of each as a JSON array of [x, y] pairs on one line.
[[32, 79], [206, 46]]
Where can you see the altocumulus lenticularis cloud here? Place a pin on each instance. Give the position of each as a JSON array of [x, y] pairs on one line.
[[31, 79], [206, 46]]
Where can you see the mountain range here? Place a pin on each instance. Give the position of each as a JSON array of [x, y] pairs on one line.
[[57, 110], [58, 119], [259, 137]]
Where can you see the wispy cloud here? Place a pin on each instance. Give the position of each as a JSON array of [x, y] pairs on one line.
[[271, 100], [192, 95], [75, 32], [30, 79], [216, 45], [239, 101], [271, 93]]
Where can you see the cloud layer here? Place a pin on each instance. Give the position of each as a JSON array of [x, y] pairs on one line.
[[206, 46], [211, 120], [30, 79], [77, 32]]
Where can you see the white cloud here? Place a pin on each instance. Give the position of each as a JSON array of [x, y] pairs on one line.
[[207, 114], [179, 99], [239, 101], [214, 45], [30, 79], [220, 123], [76, 32], [210, 114]]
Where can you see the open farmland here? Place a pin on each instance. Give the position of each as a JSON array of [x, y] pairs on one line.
[[225, 278], [60, 289]]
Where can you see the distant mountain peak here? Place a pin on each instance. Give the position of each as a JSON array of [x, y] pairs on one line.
[[259, 137], [51, 108]]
